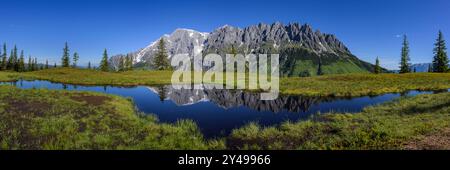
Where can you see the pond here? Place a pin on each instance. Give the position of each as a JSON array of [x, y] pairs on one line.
[[217, 112]]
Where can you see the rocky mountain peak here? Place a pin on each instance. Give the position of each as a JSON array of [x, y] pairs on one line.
[[257, 38]]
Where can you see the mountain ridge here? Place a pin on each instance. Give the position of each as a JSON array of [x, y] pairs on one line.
[[302, 49]]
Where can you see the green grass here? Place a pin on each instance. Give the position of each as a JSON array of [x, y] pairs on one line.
[[93, 77], [59, 119], [338, 67], [363, 84], [387, 126], [47, 119], [330, 85]]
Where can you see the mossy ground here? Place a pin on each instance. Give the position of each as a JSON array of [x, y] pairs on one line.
[[388, 126], [48, 119]]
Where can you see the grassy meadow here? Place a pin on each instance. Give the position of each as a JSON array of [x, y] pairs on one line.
[[49, 119], [329, 85], [59, 119], [400, 124]]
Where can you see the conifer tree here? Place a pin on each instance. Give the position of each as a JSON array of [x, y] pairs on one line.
[[36, 66], [21, 65], [12, 61], [1, 59], [89, 65], [75, 59], [32, 67], [104, 66], [405, 66], [377, 69], [233, 51], [4, 64], [129, 62], [10, 65], [319, 69], [430, 68], [15, 60], [46, 64], [440, 59], [54, 66], [161, 61], [30, 64], [65, 60], [121, 64]]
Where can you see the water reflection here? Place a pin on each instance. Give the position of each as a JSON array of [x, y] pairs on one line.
[[217, 112], [227, 99]]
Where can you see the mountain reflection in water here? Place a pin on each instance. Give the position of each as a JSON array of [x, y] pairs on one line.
[[217, 112]]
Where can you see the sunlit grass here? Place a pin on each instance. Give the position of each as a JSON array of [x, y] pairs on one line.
[[330, 85], [388, 126], [49, 119]]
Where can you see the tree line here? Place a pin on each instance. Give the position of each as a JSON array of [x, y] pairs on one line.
[[18, 63], [440, 63], [125, 63]]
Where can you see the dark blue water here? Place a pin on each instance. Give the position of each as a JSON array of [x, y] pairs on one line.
[[217, 112]]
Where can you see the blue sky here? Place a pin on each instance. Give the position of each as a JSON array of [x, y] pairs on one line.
[[369, 28]]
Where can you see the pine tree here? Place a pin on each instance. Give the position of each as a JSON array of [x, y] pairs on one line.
[[430, 68], [46, 64], [1, 60], [30, 64], [10, 64], [89, 65], [162, 93], [13, 60], [121, 64], [104, 63], [161, 61], [319, 69], [65, 60], [404, 62], [126, 63], [75, 59], [233, 51], [36, 66], [21, 65], [377, 69], [129, 62], [54, 66], [32, 67], [4, 64], [440, 60]]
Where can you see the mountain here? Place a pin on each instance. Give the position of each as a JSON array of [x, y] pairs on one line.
[[181, 41], [420, 67], [301, 48], [254, 38], [234, 98]]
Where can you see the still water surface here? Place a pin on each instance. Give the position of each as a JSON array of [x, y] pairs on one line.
[[217, 112]]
